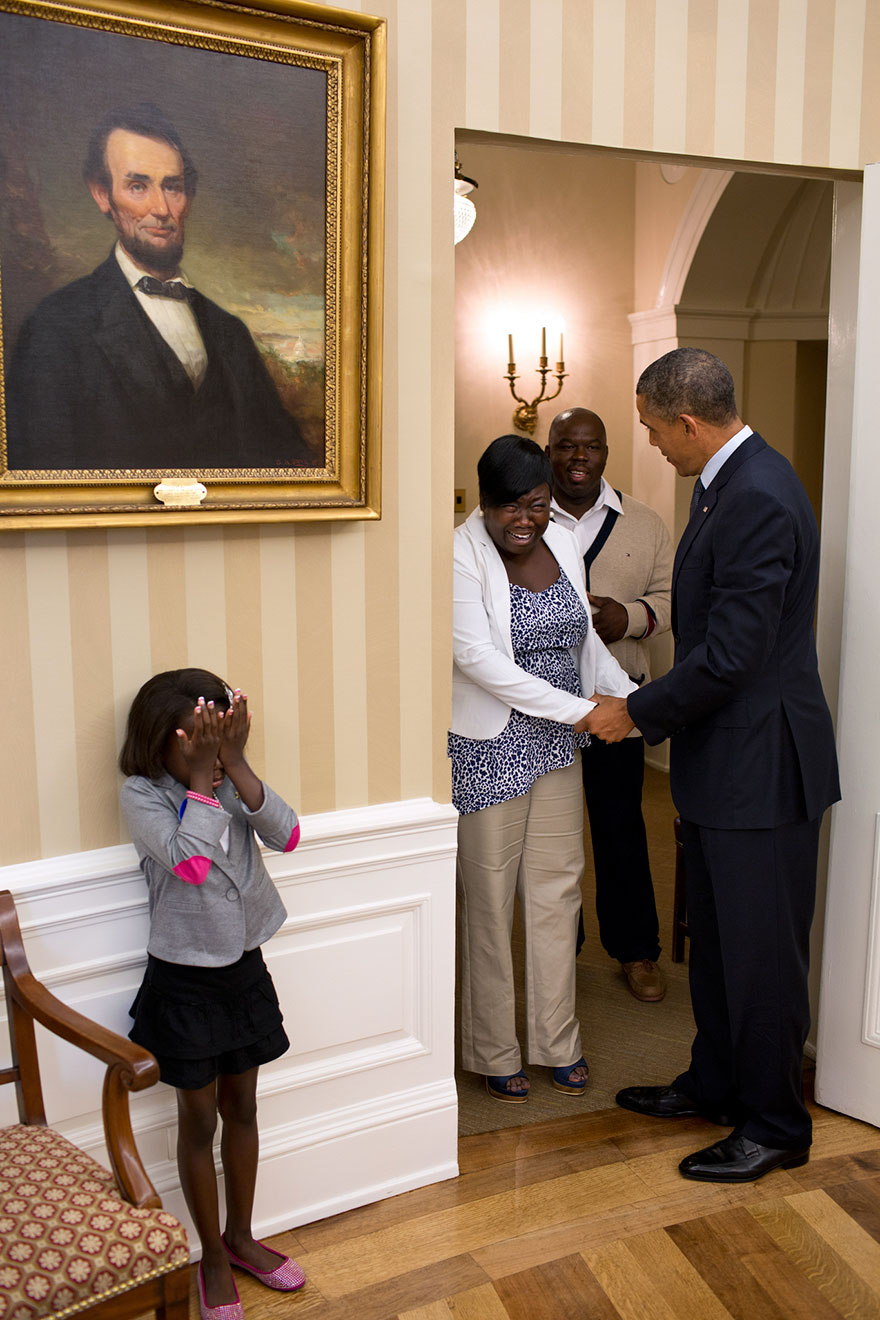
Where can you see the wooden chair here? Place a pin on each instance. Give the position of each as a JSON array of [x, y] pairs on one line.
[[679, 898], [74, 1237]]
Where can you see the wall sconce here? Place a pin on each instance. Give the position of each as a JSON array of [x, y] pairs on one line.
[[525, 418], [464, 211]]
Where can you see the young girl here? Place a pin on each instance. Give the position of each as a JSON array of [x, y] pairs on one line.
[[207, 1008]]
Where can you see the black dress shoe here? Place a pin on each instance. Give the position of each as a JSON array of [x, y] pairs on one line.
[[736, 1160], [667, 1102]]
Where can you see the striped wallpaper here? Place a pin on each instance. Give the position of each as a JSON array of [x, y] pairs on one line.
[[340, 633]]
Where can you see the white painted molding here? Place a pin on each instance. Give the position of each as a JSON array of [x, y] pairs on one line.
[[360, 828], [719, 323], [780, 325], [651, 326], [665, 323], [285, 1138]]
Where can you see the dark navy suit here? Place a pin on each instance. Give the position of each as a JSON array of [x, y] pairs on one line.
[[753, 768], [92, 384]]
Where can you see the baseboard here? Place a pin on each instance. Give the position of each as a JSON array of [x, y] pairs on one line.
[[658, 757]]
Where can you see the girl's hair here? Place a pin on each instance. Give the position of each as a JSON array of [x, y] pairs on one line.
[[509, 468], [158, 709]]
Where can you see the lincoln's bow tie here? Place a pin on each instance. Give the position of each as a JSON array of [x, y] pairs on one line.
[[163, 288]]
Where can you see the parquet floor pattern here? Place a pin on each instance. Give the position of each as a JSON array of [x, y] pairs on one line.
[[587, 1217]]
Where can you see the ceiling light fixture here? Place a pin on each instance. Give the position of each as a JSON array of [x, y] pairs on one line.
[[464, 211]]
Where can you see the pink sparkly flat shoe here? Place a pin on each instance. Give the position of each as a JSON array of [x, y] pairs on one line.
[[286, 1277], [230, 1311]]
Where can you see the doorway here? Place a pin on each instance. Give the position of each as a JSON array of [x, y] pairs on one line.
[[627, 257]]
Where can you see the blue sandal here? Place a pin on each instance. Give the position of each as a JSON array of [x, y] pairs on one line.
[[497, 1088], [562, 1078]]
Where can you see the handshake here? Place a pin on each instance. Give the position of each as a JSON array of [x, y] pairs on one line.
[[609, 719]]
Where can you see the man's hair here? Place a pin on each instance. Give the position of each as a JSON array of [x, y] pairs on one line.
[[146, 120], [159, 708], [688, 380], [510, 467]]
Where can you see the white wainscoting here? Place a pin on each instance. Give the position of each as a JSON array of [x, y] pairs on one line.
[[363, 1105]]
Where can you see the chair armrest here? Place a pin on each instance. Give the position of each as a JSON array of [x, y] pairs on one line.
[[129, 1066]]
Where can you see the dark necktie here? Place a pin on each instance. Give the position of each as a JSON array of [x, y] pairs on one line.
[[163, 288], [697, 496]]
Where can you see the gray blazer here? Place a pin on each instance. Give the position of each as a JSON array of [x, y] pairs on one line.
[[209, 921]]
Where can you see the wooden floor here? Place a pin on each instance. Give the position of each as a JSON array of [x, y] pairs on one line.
[[588, 1217]]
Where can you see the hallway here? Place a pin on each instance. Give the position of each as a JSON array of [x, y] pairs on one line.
[[625, 1042]]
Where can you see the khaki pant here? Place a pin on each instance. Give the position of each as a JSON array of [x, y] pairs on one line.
[[532, 847]]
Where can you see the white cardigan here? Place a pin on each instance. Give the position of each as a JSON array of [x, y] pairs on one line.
[[486, 680]]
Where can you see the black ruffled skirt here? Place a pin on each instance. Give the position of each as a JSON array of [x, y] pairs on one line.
[[201, 1022]]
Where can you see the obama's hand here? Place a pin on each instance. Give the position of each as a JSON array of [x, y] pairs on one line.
[[610, 719]]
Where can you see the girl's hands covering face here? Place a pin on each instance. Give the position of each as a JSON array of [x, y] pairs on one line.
[[192, 752], [235, 730]]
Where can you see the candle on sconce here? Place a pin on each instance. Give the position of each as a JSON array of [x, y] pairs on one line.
[[525, 416]]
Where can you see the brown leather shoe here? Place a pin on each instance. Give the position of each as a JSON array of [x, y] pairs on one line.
[[645, 980]]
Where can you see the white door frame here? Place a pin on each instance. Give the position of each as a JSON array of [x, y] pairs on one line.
[[848, 1056]]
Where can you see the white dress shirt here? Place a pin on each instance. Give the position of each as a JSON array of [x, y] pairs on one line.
[[586, 527], [173, 318], [717, 461]]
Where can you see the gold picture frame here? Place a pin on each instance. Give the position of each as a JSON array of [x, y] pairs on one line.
[[276, 110]]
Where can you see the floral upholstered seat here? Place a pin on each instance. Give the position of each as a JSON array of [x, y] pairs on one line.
[[73, 1236], [67, 1239]]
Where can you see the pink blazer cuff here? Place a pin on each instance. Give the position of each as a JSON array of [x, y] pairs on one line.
[[293, 840]]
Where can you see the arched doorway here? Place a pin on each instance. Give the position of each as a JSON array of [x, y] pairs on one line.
[[747, 275]]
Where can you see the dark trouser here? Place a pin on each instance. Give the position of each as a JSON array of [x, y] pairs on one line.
[[750, 898], [613, 775]]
